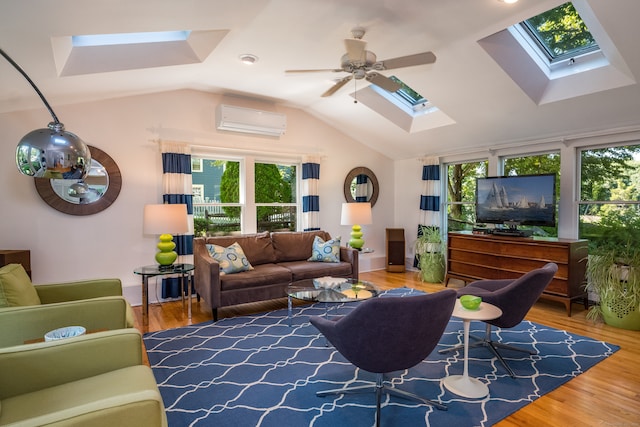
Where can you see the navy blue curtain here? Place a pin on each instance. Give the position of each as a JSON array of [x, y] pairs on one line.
[[310, 197], [430, 197], [177, 189]]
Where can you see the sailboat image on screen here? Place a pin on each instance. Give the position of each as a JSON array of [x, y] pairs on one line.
[[517, 200]]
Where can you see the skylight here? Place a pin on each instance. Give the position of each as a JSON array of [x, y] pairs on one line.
[[129, 38], [103, 53], [408, 94], [560, 33], [405, 108], [406, 99]]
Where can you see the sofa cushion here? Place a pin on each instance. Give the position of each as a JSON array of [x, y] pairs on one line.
[[261, 275], [231, 259], [16, 288], [301, 270], [328, 251], [257, 247], [295, 245]]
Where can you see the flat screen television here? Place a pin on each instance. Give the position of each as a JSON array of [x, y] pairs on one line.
[[517, 200]]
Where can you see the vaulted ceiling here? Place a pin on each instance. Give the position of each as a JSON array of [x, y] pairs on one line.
[[484, 106]]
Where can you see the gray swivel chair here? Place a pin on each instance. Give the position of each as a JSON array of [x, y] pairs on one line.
[[388, 334], [514, 297]]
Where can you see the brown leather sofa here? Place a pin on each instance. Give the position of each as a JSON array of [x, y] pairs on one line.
[[278, 258]]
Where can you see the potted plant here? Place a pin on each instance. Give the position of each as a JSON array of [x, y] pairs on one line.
[[614, 276], [428, 249]]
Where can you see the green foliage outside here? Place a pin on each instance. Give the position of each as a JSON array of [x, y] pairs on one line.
[[608, 174], [273, 184], [561, 30]]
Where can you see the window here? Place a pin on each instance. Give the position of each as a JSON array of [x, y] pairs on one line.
[[559, 54], [275, 197], [535, 165], [196, 165], [407, 99], [129, 38], [609, 206], [461, 194], [216, 190], [226, 202], [560, 33]]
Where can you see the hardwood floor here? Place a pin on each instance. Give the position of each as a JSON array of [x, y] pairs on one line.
[[606, 395]]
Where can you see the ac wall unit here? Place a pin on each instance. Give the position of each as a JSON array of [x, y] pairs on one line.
[[247, 120]]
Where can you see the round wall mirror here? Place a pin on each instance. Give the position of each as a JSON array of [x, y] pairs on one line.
[[361, 185], [96, 192]]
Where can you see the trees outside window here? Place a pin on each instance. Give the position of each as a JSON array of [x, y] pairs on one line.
[[223, 206], [275, 186], [217, 210], [461, 193], [536, 165], [609, 207]]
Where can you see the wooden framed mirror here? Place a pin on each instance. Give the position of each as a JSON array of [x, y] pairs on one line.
[[94, 194], [361, 185]]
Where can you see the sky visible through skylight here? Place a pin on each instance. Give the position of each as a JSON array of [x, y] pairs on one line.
[[129, 38]]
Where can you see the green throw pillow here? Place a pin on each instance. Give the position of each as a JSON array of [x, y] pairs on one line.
[[328, 251], [16, 288], [231, 259]]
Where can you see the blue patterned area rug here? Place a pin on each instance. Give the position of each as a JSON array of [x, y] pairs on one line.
[[259, 371]]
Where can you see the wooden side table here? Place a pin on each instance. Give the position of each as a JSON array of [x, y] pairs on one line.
[[16, 256]]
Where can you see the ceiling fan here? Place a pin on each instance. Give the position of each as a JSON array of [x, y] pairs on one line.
[[363, 64]]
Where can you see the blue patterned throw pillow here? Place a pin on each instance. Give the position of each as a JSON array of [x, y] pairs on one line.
[[231, 259], [328, 251]]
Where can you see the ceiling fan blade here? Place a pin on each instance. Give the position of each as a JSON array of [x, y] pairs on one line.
[[409, 60], [323, 70], [383, 82], [355, 49], [333, 89]]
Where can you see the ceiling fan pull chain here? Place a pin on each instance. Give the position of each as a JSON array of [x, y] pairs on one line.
[[355, 90]]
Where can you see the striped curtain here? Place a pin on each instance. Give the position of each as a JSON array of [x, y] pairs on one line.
[[362, 188], [430, 197], [310, 197], [177, 189]]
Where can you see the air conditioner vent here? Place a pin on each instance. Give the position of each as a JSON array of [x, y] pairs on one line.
[[247, 120]]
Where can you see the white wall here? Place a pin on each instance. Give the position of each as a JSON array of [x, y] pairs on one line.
[[110, 244]]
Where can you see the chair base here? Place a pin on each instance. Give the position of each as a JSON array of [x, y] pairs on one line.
[[378, 389], [493, 348]]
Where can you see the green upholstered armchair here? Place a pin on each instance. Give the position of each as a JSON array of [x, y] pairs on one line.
[[27, 312], [92, 380]]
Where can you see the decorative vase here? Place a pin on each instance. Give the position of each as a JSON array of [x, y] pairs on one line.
[[167, 255], [617, 315], [432, 267]]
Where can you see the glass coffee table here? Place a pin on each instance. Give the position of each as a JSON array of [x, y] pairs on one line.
[[329, 290]]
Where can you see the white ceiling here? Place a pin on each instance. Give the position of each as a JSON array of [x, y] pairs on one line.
[[488, 108]]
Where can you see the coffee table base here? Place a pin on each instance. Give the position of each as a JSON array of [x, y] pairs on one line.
[[466, 386]]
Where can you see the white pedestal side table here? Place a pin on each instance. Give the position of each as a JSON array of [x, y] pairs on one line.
[[463, 385]]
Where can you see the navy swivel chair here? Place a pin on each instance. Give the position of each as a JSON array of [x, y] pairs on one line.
[[388, 334], [514, 297]]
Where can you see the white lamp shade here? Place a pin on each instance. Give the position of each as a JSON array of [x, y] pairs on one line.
[[356, 213], [165, 219]]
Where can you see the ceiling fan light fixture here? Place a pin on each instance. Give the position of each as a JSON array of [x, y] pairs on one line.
[[508, 1], [248, 59]]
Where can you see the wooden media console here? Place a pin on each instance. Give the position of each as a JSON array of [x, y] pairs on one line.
[[473, 257]]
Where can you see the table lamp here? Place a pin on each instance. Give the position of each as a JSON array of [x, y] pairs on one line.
[[165, 220], [356, 214]]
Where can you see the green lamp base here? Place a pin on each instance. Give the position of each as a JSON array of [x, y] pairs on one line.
[[356, 241], [167, 256]]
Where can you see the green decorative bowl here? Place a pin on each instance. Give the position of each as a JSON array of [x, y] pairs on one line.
[[470, 302]]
